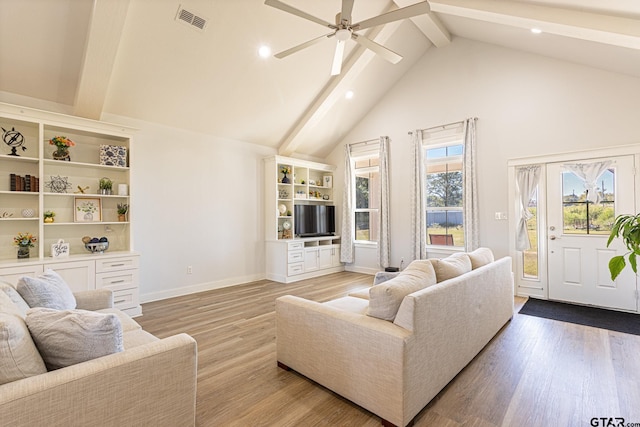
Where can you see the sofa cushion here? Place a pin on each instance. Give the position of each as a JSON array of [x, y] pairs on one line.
[[19, 356], [128, 324], [385, 298], [48, 290], [20, 304], [68, 337], [480, 257], [351, 304], [451, 266], [362, 293]]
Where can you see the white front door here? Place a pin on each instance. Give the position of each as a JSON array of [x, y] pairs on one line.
[[578, 230]]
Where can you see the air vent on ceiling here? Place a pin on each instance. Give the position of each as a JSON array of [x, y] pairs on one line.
[[191, 18]]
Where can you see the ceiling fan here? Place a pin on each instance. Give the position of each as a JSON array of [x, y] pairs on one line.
[[344, 30]]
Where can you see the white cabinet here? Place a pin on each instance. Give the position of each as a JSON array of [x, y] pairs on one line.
[[32, 182], [116, 272], [297, 259]]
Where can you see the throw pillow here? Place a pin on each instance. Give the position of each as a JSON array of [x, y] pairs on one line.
[[480, 257], [48, 290], [20, 305], [19, 356], [385, 298], [68, 337], [451, 266]]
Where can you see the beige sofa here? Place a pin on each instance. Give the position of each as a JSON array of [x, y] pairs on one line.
[[394, 368], [151, 382]]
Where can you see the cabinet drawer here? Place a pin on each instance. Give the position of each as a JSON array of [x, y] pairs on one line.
[[297, 268], [295, 246], [114, 264], [126, 298], [295, 256], [117, 280]]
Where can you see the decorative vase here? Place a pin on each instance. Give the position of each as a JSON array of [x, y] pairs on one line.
[[285, 180], [61, 153], [122, 217], [88, 216], [105, 191], [48, 219], [23, 252]]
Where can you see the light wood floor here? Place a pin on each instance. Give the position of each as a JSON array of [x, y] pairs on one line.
[[535, 372]]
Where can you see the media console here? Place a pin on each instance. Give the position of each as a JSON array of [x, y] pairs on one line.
[[297, 259]]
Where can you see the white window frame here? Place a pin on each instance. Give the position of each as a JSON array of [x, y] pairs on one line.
[[428, 145], [357, 171]]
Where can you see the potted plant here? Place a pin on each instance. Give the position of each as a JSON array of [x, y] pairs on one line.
[[123, 208], [24, 241], [105, 186], [62, 144], [626, 227], [48, 216]]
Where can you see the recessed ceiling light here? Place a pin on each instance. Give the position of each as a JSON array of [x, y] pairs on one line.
[[264, 51], [348, 94], [536, 30]]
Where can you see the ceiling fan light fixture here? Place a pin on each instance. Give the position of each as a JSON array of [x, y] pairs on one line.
[[343, 35], [264, 51]]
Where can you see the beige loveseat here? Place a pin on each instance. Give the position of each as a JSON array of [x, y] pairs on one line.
[[395, 367], [152, 382]]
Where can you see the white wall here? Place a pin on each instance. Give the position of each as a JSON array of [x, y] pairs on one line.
[[526, 105], [198, 202]]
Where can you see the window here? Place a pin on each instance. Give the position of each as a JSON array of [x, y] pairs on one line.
[[367, 198], [445, 224], [581, 216]]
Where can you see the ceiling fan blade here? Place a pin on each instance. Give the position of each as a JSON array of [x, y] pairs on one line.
[[387, 54], [395, 15], [337, 58], [304, 45], [292, 10], [347, 8]]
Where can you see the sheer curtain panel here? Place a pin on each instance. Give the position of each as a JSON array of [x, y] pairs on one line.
[[470, 186], [347, 230], [527, 180], [418, 198], [384, 243]]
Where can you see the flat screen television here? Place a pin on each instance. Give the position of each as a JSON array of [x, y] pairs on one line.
[[314, 220]]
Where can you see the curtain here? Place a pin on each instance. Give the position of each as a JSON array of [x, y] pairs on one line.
[[470, 186], [347, 230], [527, 179], [383, 232], [589, 174], [418, 199]]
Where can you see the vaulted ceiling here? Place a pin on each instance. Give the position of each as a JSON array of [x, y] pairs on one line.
[[134, 58]]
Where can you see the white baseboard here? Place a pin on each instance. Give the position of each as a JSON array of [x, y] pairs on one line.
[[363, 270], [200, 287]]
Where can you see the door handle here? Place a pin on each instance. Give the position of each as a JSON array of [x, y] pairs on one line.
[[552, 237]]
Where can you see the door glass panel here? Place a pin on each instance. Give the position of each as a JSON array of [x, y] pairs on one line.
[[581, 216]]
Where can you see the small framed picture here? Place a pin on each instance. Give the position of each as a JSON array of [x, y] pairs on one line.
[[87, 209], [327, 181]]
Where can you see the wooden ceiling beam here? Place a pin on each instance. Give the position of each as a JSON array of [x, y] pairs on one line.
[[430, 25], [103, 39], [578, 24]]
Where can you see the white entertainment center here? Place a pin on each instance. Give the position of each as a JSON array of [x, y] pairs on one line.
[[290, 258]]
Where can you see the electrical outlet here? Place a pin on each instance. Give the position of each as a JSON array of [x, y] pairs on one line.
[[189, 269]]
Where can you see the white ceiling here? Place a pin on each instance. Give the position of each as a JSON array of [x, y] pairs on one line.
[[132, 58]]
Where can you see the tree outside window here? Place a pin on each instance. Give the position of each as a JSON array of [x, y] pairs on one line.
[[445, 220], [367, 199]]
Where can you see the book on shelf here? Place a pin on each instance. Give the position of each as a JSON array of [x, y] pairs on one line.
[[23, 183]]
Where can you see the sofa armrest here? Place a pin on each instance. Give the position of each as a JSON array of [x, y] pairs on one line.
[[344, 352], [95, 299], [152, 384]]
